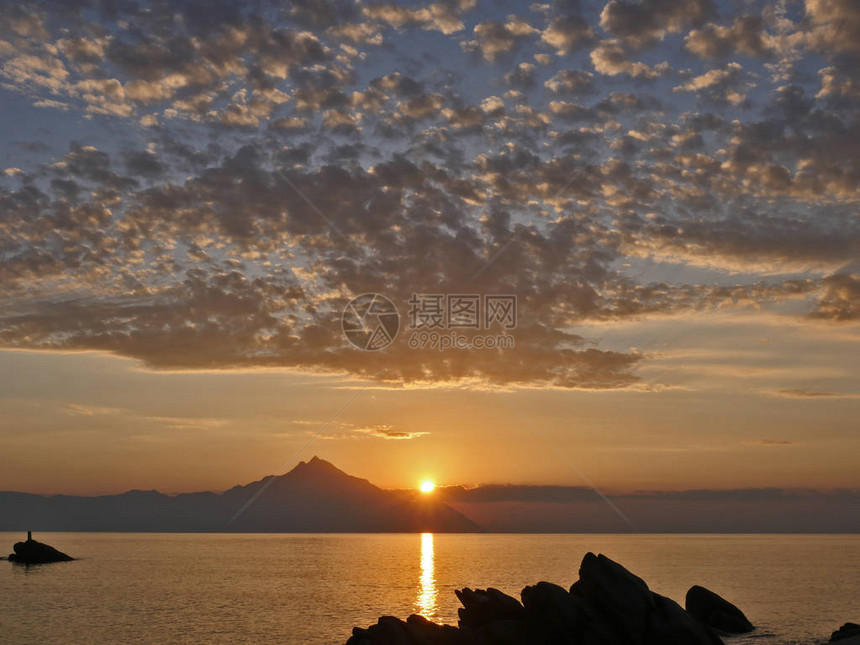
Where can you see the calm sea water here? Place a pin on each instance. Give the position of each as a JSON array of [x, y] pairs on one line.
[[286, 589]]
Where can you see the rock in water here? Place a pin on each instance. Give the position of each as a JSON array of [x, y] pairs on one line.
[[484, 606], [621, 599], [624, 610], [716, 612], [607, 606], [848, 630], [34, 552], [849, 640], [671, 625]]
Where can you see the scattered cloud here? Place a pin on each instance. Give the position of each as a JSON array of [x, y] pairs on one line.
[[771, 443], [277, 165], [802, 393], [643, 23], [92, 410], [389, 432]]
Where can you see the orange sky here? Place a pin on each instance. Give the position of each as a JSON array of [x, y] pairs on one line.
[[716, 408]]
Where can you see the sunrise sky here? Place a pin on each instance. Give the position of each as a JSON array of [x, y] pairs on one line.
[[192, 191]]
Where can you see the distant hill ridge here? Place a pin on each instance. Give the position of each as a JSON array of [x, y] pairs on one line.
[[315, 496], [318, 497]]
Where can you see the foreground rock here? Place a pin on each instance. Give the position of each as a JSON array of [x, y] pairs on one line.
[[711, 609], [847, 631], [608, 605], [34, 552]]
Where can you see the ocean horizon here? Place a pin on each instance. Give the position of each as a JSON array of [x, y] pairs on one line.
[[313, 588]]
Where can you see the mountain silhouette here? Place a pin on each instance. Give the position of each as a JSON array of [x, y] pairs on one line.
[[315, 496]]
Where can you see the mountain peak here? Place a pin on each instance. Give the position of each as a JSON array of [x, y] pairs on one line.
[[315, 464], [316, 470]]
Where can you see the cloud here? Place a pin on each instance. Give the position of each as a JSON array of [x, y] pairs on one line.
[[171, 423], [748, 494], [801, 393], [610, 58], [149, 66], [500, 493], [718, 85], [841, 299], [835, 25], [770, 443], [187, 423], [569, 81], [745, 35], [643, 23], [292, 160], [440, 16], [388, 432], [36, 147], [24, 21], [495, 40], [495, 493], [522, 77], [836, 85], [92, 410], [567, 34], [34, 72]]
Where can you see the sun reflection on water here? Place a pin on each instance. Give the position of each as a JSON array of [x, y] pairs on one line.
[[426, 602]]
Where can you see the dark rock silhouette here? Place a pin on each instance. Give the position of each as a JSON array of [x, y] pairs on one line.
[[846, 632], [715, 611], [608, 605], [34, 552], [483, 606]]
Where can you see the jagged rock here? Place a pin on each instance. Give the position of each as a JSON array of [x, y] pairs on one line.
[[388, 630], [34, 552], [559, 615], [671, 625], [850, 640], [483, 606], [622, 600], [848, 630], [607, 606], [546, 597], [716, 612], [625, 610], [427, 632], [417, 630], [509, 631]]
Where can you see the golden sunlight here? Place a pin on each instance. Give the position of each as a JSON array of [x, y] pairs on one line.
[[427, 486], [426, 601]]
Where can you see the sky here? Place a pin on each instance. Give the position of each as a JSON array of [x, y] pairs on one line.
[[192, 192]]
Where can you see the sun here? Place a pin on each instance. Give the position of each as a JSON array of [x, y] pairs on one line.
[[427, 487]]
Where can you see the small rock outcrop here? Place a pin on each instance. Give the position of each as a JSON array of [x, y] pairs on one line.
[[848, 630], [709, 608], [608, 605], [34, 552]]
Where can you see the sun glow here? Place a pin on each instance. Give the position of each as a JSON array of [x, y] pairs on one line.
[[427, 487]]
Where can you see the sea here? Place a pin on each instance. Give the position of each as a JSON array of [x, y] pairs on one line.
[[313, 588]]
